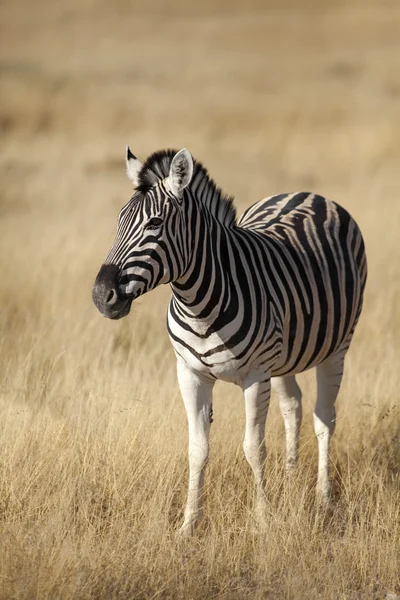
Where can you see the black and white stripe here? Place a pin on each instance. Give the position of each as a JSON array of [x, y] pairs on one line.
[[273, 293]]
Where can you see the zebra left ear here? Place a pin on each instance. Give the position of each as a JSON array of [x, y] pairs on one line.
[[181, 171], [133, 167]]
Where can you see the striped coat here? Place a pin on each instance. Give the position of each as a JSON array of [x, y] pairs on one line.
[[254, 300]]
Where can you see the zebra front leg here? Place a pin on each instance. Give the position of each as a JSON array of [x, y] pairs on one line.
[[257, 392], [196, 392], [329, 378], [290, 406]]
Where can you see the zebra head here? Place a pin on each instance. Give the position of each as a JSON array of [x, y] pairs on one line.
[[149, 247]]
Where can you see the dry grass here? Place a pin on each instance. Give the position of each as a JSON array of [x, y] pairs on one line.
[[93, 432]]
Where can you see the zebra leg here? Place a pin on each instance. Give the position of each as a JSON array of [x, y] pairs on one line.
[[329, 378], [289, 395], [197, 396], [257, 392]]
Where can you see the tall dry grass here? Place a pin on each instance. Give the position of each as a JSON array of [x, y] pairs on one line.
[[93, 466]]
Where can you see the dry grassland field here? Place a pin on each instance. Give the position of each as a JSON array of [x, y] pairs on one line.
[[272, 97]]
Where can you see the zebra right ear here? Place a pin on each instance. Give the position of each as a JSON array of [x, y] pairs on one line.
[[181, 171], [133, 167]]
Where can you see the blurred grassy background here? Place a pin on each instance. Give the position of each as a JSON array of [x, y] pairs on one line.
[[271, 96]]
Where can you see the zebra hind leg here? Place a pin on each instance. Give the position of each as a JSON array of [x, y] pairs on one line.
[[289, 395], [329, 378]]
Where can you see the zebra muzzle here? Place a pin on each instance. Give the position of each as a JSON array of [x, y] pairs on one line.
[[106, 296]]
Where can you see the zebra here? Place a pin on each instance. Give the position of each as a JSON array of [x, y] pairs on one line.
[[260, 298]]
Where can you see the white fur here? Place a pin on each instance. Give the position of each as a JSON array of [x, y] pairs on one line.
[[289, 395], [329, 377], [181, 171], [196, 392], [196, 389], [133, 168], [257, 394]]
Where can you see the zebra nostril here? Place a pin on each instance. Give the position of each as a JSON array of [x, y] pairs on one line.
[[112, 297]]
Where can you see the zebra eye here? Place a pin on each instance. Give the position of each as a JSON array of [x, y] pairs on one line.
[[154, 223]]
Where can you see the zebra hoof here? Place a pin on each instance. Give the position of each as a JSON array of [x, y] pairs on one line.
[[186, 531], [291, 469], [324, 498]]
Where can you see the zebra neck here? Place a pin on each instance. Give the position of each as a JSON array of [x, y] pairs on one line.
[[206, 284]]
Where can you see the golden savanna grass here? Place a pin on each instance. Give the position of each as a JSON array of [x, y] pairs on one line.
[[272, 97]]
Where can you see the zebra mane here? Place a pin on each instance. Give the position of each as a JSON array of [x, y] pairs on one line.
[[157, 167]]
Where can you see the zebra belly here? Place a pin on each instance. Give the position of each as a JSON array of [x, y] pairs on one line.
[[280, 370], [225, 368]]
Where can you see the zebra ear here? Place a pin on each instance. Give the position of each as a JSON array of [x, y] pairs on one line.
[[181, 171], [133, 167]]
